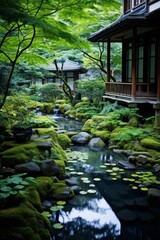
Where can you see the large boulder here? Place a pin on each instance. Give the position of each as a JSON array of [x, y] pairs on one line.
[[23, 222], [96, 143], [49, 167], [30, 167], [81, 138]]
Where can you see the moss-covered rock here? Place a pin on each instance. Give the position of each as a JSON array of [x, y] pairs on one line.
[[47, 107], [88, 125], [150, 143], [44, 122], [80, 104], [64, 140], [19, 154], [57, 151], [23, 222], [31, 195], [71, 113], [104, 135], [62, 192], [44, 185], [64, 107], [61, 167]]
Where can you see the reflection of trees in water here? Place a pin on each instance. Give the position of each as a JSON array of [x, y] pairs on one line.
[[80, 229]]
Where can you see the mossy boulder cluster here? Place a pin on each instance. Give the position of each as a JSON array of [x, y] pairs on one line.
[[140, 142], [42, 159]]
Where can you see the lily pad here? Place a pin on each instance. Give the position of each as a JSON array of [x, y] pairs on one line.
[[46, 214], [102, 166], [56, 208], [80, 173], [58, 226], [84, 178], [83, 192], [91, 185], [86, 181], [97, 179], [109, 170], [91, 191], [61, 202], [144, 189]]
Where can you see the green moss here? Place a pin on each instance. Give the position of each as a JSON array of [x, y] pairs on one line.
[[60, 101], [47, 132], [80, 115], [71, 113], [108, 124], [57, 151], [44, 185], [44, 122], [61, 191], [47, 107], [23, 220], [88, 125], [70, 134], [150, 143], [64, 140], [64, 107], [80, 104], [121, 136], [62, 170], [19, 154], [31, 195], [104, 135]]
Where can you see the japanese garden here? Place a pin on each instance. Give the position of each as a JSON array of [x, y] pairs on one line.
[[79, 120]]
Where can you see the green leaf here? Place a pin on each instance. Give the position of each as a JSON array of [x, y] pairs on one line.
[[46, 214], [18, 187], [58, 226], [6, 189]]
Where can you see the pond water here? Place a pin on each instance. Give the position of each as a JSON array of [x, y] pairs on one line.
[[106, 199]]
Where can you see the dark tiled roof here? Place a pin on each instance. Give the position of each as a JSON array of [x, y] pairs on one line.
[[68, 65], [138, 15]]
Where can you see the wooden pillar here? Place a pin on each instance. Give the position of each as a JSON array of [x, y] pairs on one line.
[[134, 63], [158, 67], [108, 60]]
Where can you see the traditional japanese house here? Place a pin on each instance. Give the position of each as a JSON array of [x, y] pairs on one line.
[[67, 69], [138, 30]]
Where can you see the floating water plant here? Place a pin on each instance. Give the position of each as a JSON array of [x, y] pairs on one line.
[[61, 202], [57, 225], [83, 192], [56, 208], [97, 179], [80, 173], [84, 178], [46, 214], [91, 191], [91, 185], [102, 166]]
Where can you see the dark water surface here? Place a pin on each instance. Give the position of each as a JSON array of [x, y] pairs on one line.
[[94, 214]]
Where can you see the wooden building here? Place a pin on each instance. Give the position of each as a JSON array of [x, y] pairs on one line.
[[138, 30], [68, 69]]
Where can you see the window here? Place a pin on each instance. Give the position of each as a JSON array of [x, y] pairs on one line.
[[129, 63], [151, 62], [129, 4], [140, 63]]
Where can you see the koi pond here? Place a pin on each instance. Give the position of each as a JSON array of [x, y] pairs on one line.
[[111, 203]]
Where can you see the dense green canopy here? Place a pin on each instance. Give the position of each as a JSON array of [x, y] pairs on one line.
[[36, 30]]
